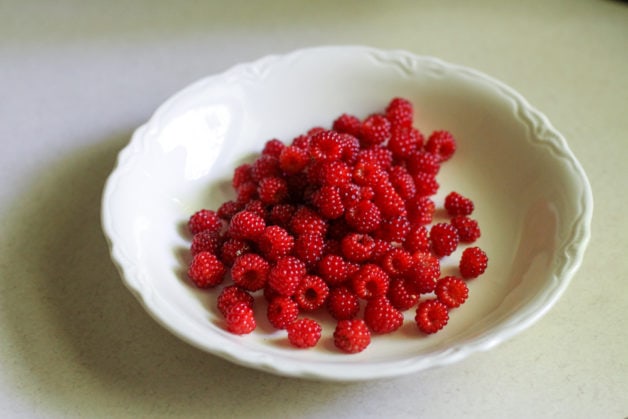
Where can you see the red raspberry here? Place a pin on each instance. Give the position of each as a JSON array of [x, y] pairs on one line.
[[293, 159], [377, 154], [311, 293], [205, 241], [431, 316], [444, 239], [426, 184], [285, 276], [228, 209], [272, 190], [357, 247], [326, 146], [375, 130], [342, 303], [403, 141], [381, 317], [309, 248], [231, 295], [281, 311], [400, 295], [306, 220], [328, 200], [337, 229], [423, 162], [442, 144], [388, 201], [368, 173], [246, 225], [347, 124], [250, 271], [473, 262], [400, 112], [417, 239], [352, 336], [335, 173], [351, 195], [302, 141], [394, 229], [420, 210], [304, 333], [265, 166], [232, 249], [206, 270], [275, 242], [456, 204], [273, 148], [333, 269], [468, 229], [204, 220], [281, 214], [241, 175], [381, 248], [240, 319], [256, 207], [452, 291], [370, 281], [403, 183], [424, 273], [397, 262], [246, 192], [363, 217], [350, 148]]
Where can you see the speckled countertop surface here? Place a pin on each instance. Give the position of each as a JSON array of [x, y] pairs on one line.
[[77, 77]]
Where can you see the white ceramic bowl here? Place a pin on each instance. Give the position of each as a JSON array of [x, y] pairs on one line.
[[533, 200]]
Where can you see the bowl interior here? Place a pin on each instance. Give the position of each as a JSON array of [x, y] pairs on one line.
[[532, 199]]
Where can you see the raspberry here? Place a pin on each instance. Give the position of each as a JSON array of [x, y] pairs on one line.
[[403, 183], [423, 275], [456, 204], [285, 276], [335, 173], [275, 242], [468, 229], [444, 239], [231, 295], [272, 190], [351, 195], [306, 220], [377, 154], [397, 262], [420, 210], [265, 166], [352, 336], [347, 124], [423, 162], [293, 160], [364, 217], [400, 295], [426, 184], [342, 303], [246, 225], [250, 271], [233, 248], [357, 247], [203, 220], [368, 173], [281, 214], [381, 317], [400, 112], [206, 270], [394, 229], [304, 333], [381, 248], [281, 311], [246, 192], [473, 262], [228, 209], [370, 281], [417, 240], [256, 207], [309, 248], [375, 130], [403, 141], [205, 241], [388, 201], [350, 148], [452, 291], [333, 269], [326, 146], [302, 141], [241, 175], [431, 316], [273, 148], [328, 200], [441, 143], [311, 293], [240, 319]]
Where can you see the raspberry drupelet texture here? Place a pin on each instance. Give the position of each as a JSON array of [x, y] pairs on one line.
[[293, 160], [246, 225], [304, 333], [404, 141], [397, 262], [326, 146], [452, 291], [441, 143], [364, 217], [206, 241], [473, 262], [204, 220], [352, 336], [309, 248], [273, 148], [381, 317], [421, 161], [311, 293], [206, 270], [282, 311], [400, 112], [420, 210], [347, 124], [272, 190], [250, 271], [333, 269], [342, 303], [431, 316], [444, 238], [357, 247], [468, 228], [328, 200], [285, 276], [240, 319], [275, 242], [422, 277], [370, 281], [456, 204], [400, 295], [231, 249], [231, 295], [375, 130]]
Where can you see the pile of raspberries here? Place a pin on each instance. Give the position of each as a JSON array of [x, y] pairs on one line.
[[340, 220]]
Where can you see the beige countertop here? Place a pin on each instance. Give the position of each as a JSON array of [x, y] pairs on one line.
[[77, 77]]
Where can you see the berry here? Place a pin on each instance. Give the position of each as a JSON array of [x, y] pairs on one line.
[[375, 130], [203, 220], [281, 214], [394, 229], [350, 148], [402, 181], [452, 291], [357, 247], [326, 146], [420, 210], [256, 207], [293, 160], [456, 204], [423, 275], [442, 144], [304, 333], [333, 269], [273, 148], [246, 225], [444, 239], [400, 112], [423, 162], [306, 220], [400, 295], [272, 190], [473, 262], [468, 229], [381, 317], [370, 281], [328, 200], [275, 242], [352, 336], [364, 217], [368, 172], [233, 248], [425, 183], [417, 240], [311, 293], [285, 276], [240, 319], [389, 202], [231, 295], [377, 154], [397, 262], [250, 271], [381, 248], [342, 303], [205, 241], [281, 311], [228, 209], [206, 270], [241, 175], [403, 141], [309, 248], [265, 166], [431, 316], [347, 124], [335, 173], [246, 192]]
